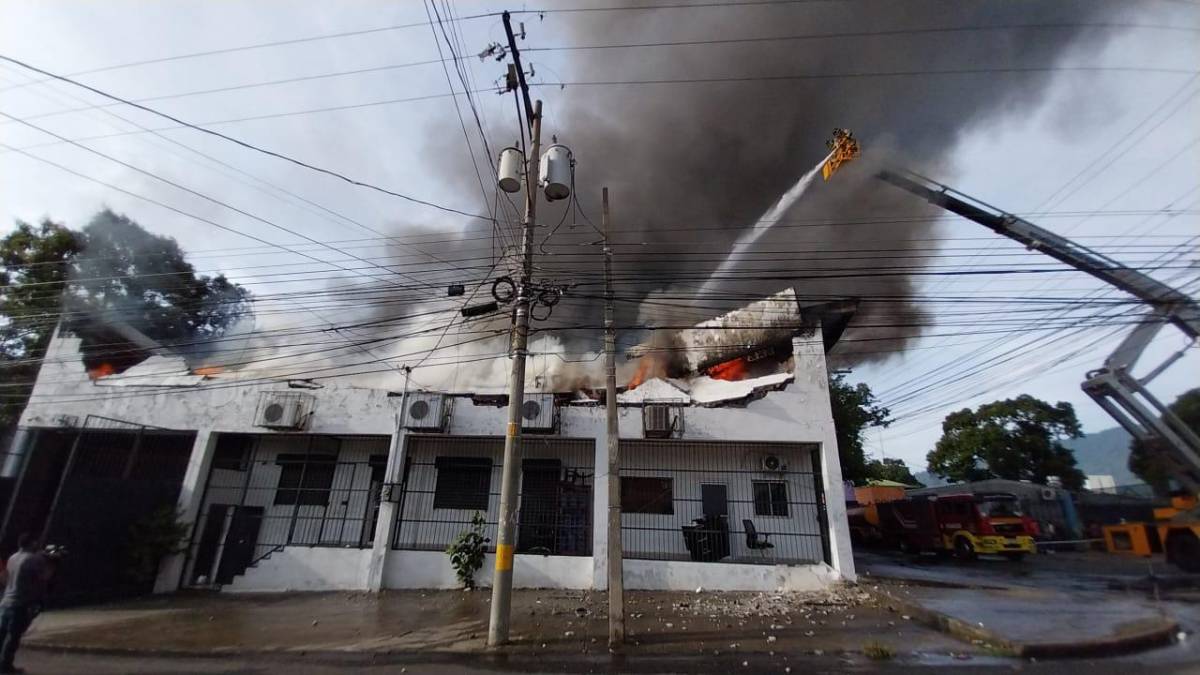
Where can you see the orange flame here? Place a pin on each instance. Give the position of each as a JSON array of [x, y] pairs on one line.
[[648, 368], [102, 370], [639, 376], [731, 371]]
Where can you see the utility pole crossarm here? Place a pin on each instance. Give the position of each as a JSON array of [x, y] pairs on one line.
[[1171, 304]]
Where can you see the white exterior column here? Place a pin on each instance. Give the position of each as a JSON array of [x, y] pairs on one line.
[[600, 513], [387, 507], [18, 450], [810, 369], [191, 495]]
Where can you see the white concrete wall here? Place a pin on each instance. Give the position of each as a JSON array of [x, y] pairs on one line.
[[63, 388], [689, 576], [431, 569], [306, 568], [302, 568]]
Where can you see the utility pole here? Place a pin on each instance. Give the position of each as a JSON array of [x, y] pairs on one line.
[[616, 576], [516, 54], [510, 471]]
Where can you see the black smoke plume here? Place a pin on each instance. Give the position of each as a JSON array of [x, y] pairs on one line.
[[691, 165]]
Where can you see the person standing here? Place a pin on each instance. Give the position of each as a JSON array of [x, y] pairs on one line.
[[27, 572]]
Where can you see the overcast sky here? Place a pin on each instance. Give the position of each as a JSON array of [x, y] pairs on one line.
[[1119, 147]]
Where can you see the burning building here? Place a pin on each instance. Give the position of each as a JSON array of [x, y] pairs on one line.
[[729, 467]]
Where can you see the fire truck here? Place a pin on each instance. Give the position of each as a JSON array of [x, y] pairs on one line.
[[966, 525]]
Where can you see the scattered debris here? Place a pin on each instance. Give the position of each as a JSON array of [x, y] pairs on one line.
[[878, 652]]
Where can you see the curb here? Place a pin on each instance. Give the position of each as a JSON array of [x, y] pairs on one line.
[[1146, 638], [928, 583], [497, 661]]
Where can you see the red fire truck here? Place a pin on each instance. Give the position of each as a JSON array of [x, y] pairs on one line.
[[963, 524]]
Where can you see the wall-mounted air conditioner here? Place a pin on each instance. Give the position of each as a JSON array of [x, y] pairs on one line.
[[427, 411], [772, 464], [539, 413], [661, 420], [283, 409]]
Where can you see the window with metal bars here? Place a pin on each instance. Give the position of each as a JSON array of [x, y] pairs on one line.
[[647, 495], [462, 483], [304, 479], [770, 498]]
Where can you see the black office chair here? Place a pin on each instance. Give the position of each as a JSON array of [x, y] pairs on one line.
[[752, 538]]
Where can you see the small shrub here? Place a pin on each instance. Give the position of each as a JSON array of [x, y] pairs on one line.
[[467, 551], [878, 652], [153, 538]]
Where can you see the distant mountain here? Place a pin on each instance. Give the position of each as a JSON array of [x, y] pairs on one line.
[[1104, 453], [929, 480]]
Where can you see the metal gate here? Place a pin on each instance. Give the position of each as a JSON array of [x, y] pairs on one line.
[[723, 501], [447, 479], [268, 491], [87, 489]]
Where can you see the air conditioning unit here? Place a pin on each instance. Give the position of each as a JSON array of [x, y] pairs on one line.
[[657, 421], [427, 411], [283, 410], [538, 413], [773, 463]]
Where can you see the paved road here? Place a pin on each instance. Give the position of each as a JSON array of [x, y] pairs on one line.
[[74, 664]]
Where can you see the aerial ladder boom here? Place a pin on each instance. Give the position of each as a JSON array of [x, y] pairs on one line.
[[1113, 386]]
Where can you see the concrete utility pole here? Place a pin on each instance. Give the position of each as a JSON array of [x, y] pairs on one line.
[[510, 473], [616, 576]]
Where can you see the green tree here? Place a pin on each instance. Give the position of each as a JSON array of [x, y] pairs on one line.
[[891, 469], [855, 409], [1149, 465], [145, 280], [1017, 439], [34, 266], [112, 269]]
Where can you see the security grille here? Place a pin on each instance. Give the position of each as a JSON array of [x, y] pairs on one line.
[[717, 502], [447, 479], [267, 491]]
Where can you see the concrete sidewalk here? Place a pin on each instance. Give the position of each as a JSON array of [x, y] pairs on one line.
[[1040, 623], [1048, 607], [561, 625]]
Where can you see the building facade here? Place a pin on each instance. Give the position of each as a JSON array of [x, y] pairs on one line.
[[323, 486]]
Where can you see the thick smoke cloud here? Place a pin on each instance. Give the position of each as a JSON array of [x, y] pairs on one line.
[[690, 165], [716, 155]]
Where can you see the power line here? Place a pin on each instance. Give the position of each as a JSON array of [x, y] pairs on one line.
[[261, 45], [242, 143], [868, 34], [881, 74]]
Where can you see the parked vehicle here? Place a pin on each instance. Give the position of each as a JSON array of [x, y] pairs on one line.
[[963, 524]]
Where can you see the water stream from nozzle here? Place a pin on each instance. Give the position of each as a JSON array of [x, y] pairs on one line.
[[764, 223]]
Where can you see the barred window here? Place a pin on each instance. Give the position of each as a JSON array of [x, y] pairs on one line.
[[647, 495], [305, 479], [462, 483], [770, 498]]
